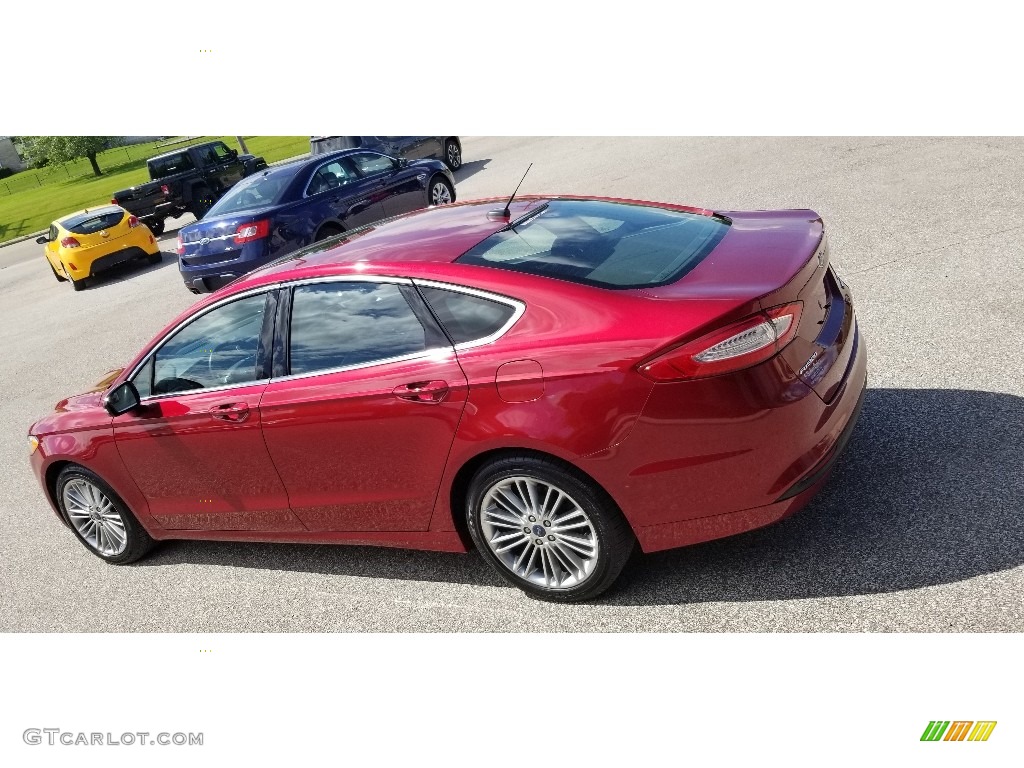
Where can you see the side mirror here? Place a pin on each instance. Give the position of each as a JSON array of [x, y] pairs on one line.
[[403, 162], [122, 399], [43, 240], [234, 153]]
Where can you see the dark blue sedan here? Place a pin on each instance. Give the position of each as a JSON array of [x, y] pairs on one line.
[[281, 209]]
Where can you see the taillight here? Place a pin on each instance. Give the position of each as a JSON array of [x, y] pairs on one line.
[[255, 231], [69, 242], [181, 246], [730, 348], [113, 201], [165, 189], [133, 221]]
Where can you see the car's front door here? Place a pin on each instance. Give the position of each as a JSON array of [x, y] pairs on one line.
[[195, 447], [361, 423], [400, 190]]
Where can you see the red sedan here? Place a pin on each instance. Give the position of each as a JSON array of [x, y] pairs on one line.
[[553, 382]]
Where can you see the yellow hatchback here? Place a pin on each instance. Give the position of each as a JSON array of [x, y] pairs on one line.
[[84, 243]]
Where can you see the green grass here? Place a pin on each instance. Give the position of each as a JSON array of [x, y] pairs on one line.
[[30, 200]]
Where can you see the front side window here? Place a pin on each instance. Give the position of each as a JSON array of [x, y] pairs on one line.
[[216, 349], [336, 325], [370, 163], [222, 153]]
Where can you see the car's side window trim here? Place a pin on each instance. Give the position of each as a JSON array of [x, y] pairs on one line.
[[170, 334], [282, 345], [518, 308]]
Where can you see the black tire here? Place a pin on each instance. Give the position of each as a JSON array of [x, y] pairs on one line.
[[156, 226], [78, 285], [58, 275], [603, 525], [439, 191], [154, 258], [452, 154], [202, 201], [137, 542], [327, 231]]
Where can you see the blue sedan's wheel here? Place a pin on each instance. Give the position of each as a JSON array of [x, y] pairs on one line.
[[441, 192]]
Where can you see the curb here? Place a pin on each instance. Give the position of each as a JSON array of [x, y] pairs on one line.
[[23, 238]]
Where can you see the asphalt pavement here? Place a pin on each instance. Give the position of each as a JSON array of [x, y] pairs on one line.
[[921, 527]]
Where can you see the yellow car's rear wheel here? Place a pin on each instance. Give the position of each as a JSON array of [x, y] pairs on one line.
[[56, 274], [78, 285]]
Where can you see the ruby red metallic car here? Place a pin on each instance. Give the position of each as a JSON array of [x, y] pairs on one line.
[[553, 382]]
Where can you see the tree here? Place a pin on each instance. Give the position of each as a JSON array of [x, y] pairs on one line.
[[62, 149]]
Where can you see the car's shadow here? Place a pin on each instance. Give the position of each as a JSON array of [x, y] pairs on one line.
[[129, 270], [470, 168], [930, 491]]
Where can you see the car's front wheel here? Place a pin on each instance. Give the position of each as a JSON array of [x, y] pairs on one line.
[[546, 529], [440, 193], [99, 518]]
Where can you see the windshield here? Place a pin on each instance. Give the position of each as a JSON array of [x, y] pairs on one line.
[[609, 245], [266, 188]]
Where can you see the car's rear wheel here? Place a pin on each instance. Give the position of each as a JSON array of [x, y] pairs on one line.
[[328, 231], [546, 529], [452, 154], [99, 518], [156, 226], [78, 285], [440, 192], [58, 275], [155, 258]]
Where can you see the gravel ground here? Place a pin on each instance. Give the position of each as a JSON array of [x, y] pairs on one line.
[[920, 528]]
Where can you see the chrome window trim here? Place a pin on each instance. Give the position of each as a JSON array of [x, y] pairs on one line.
[[426, 353], [226, 300], [518, 306]]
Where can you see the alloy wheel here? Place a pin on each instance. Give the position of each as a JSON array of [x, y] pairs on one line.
[[454, 156], [95, 517], [440, 194], [539, 532]]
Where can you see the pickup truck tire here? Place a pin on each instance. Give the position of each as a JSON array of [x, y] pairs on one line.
[[156, 226], [202, 201]]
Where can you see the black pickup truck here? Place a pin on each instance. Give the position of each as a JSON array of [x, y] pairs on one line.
[[188, 180]]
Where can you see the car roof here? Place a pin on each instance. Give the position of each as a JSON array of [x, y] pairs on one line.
[[88, 213]]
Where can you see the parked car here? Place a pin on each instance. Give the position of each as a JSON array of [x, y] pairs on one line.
[[445, 148], [286, 207], [84, 243], [188, 180], [553, 383]]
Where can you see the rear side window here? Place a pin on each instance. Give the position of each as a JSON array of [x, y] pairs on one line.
[[609, 245], [466, 317], [90, 224], [336, 325], [168, 166], [370, 163]]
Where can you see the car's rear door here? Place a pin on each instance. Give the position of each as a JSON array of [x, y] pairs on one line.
[[195, 447], [336, 192], [360, 422]]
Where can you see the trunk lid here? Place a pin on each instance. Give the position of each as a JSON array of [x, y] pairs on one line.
[[213, 240], [773, 258]]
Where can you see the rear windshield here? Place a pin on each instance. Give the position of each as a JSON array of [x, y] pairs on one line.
[[94, 221], [159, 167], [259, 191], [609, 245]]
